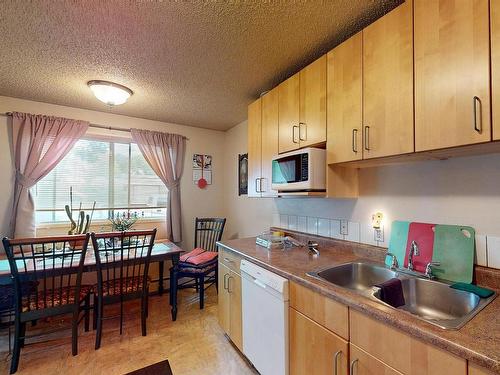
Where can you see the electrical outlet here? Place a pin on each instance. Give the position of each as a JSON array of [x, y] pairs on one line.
[[343, 228], [378, 234]]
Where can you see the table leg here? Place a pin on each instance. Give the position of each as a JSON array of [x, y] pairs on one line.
[[160, 277], [173, 285]]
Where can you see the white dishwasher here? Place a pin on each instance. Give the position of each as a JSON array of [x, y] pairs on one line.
[[264, 298]]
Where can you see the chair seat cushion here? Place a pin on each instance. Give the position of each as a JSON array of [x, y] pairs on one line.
[[126, 286], [200, 259], [61, 297], [202, 268], [193, 253]]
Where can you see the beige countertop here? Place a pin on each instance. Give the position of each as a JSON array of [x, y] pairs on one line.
[[478, 341]]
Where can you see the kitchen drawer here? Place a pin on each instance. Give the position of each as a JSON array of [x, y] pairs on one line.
[[400, 351], [230, 259], [363, 363], [476, 370], [324, 311]]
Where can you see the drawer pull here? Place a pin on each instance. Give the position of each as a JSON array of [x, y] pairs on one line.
[[226, 286], [227, 260]]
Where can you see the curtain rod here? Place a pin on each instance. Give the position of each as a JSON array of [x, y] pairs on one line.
[[7, 114]]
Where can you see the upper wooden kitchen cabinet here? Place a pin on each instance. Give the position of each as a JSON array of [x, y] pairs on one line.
[[302, 108], [495, 66], [388, 84], [262, 144], [344, 101], [254, 147], [452, 89], [269, 141]]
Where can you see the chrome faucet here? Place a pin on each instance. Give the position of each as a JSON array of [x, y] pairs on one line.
[[413, 252], [313, 247], [428, 269], [394, 262]]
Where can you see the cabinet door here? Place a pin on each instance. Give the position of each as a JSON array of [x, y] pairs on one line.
[[364, 364], [495, 67], [235, 330], [344, 101], [289, 97], [223, 297], [312, 126], [254, 148], [313, 348], [452, 90], [388, 84], [269, 140]]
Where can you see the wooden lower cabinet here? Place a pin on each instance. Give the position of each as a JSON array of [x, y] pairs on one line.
[[313, 348], [229, 304], [401, 351], [362, 363]]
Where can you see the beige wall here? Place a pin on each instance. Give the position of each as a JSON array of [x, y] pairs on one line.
[[195, 202], [464, 191]]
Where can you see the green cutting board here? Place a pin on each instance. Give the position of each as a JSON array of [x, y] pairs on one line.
[[454, 249], [397, 243]]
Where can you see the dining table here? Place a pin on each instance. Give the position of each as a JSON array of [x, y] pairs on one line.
[[163, 250]]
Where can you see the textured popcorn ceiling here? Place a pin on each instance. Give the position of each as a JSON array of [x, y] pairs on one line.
[[189, 62]]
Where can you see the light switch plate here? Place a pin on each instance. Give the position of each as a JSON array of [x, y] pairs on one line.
[[378, 234], [343, 227]]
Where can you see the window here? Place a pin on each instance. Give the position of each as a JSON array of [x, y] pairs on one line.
[[114, 175]]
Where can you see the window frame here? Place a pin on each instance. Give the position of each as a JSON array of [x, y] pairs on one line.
[[111, 210]]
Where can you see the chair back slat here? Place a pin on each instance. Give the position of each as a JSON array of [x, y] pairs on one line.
[[121, 258], [207, 232], [51, 265]]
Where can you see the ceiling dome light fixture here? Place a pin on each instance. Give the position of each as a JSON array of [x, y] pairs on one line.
[[109, 92]]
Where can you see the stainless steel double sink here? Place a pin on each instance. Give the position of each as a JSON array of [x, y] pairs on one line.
[[429, 300]]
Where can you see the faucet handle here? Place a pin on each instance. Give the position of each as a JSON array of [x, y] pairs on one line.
[[394, 263]]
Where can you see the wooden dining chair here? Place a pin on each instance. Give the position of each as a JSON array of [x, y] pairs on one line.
[[206, 234], [53, 266], [122, 262]]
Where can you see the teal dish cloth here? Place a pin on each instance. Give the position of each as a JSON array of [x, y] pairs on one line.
[[481, 292]]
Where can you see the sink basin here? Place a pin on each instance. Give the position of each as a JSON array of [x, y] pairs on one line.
[[437, 303], [433, 301], [355, 276]]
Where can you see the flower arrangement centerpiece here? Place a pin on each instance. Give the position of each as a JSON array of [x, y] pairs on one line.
[[124, 221]]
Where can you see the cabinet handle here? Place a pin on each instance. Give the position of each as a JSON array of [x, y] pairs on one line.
[[354, 140], [475, 101], [293, 133], [261, 184], [367, 138], [335, 362], [225, 282], [351, 367], [300, 131], [229, 284], [227, 260]]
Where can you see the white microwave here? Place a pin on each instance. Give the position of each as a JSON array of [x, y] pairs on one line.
[[300, 170]]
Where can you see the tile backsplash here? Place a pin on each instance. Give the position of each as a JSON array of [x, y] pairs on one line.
[[487, 247]]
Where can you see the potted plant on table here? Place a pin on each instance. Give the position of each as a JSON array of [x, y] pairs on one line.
[[123, 222], [82, 223]]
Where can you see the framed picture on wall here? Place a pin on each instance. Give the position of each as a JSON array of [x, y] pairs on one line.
[[242, 174]]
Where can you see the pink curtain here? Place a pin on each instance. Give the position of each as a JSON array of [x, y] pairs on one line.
[[40, 142], [165, 154]]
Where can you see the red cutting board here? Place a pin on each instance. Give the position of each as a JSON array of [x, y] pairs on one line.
[[423, 235]]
